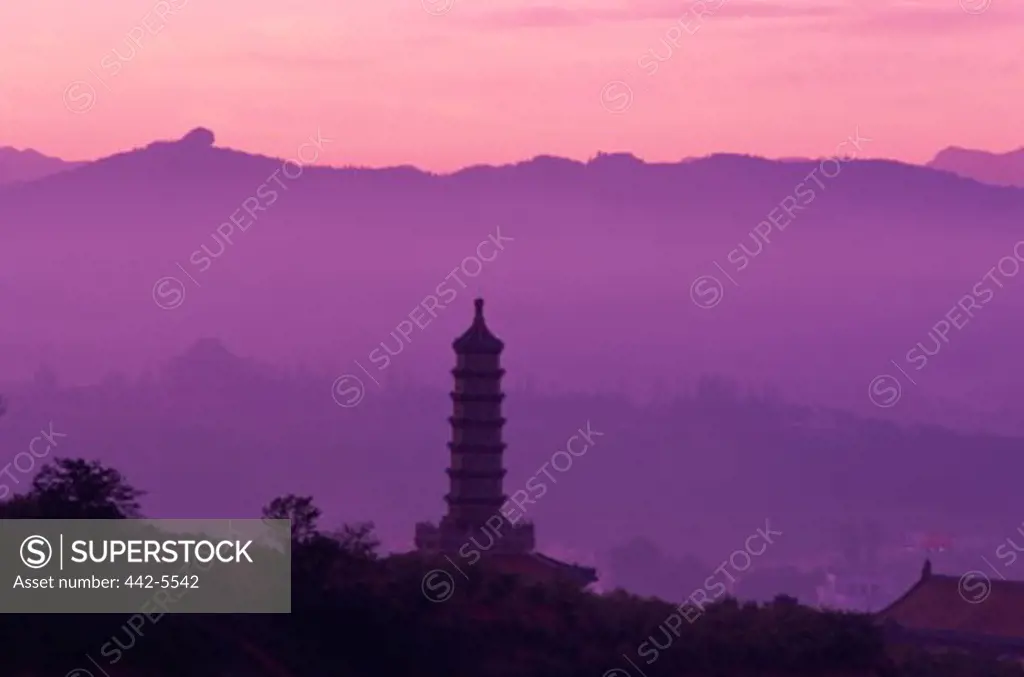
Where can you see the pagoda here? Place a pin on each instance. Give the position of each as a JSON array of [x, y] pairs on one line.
[[476, 471]]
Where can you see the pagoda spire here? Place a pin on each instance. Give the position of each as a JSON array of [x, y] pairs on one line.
[[478, 339], [475, 522], [476, 469]]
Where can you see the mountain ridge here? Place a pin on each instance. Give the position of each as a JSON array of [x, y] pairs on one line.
[[197, 182], [29, 165], [1000, 169]]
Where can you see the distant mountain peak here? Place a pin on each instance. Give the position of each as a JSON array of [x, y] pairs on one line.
[[618, 159], [960, 150], [206, 356], [208, 349], [1001, 169], [15, 152], [200, 137]]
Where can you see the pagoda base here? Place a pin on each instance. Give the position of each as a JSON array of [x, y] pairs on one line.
[[499, 537]]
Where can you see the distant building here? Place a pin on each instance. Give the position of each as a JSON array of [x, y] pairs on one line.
[[959, 613], [853, 592], [476, 525]]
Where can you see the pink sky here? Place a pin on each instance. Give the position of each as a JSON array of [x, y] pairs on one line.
[[494, 81]]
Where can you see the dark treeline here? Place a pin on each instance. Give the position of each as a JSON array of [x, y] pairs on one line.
[[357, 613]]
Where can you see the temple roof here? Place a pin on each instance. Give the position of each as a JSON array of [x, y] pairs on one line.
[[478, 339], [537, 565], [532, 566], [971, 604]]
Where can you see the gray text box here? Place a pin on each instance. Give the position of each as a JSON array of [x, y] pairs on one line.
[[122, 566]]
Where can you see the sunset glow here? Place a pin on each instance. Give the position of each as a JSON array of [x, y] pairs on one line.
[[443, 84]]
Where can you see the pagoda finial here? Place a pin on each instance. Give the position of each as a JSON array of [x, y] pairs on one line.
[[478, 339], [926, 570]]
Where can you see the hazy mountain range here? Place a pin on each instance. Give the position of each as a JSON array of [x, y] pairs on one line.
[[690, 473], [591, 270], [1000, 169], [28, 165], [598, 277]]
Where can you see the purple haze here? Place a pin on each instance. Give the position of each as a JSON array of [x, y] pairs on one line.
[[724, 321]]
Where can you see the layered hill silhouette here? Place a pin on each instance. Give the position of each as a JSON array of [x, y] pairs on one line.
[[1001, 169], [198, 172], [28, 165], [209, 417], [877, 253]]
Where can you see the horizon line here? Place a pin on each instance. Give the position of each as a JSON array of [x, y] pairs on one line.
[[596, 155]]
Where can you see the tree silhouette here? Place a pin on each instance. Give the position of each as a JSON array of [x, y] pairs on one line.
[[321, 560], [302, 513], [357, 539], [79, 489]]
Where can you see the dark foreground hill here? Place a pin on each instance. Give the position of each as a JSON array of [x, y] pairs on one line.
[[356, 615], [379, 623]]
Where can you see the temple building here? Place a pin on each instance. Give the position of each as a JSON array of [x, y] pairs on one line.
[[478, 523], [970, 613]]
